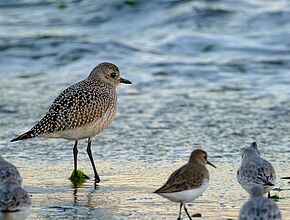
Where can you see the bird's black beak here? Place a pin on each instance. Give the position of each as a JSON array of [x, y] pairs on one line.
[[285, 178], [209, 163], [126, 81]]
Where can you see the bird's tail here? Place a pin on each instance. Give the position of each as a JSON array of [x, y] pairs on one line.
[[268, 184], [26, 135]]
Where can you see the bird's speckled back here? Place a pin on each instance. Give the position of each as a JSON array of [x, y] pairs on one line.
[[78, 105]]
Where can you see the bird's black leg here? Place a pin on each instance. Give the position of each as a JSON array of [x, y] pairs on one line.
[[75, 152], [89, 151], [269, 195], [185, 209], [179, 216]]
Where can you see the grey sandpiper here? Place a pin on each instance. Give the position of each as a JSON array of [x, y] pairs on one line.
[[15, 202], [188, 182], [82, 110], [8, 170], [259, 207], [255, 171]]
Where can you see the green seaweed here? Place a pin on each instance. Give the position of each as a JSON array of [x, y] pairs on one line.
[[276, 197], [61, 5], [78, 178], [208, 48], [169, 45], [131, 2]]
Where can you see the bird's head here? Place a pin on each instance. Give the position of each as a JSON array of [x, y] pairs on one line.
[[199, 156], [251, 150], [108, 73]]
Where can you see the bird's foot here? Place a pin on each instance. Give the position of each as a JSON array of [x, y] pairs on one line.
[[97, 179]]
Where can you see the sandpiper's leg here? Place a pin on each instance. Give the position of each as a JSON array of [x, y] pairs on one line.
[[89, 151], [269, 195], [179, 216], [185, 209], [75, 152]]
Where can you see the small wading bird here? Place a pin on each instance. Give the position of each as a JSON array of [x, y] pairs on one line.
[[188, 182], [15, 203], [255, 171], [82, 110], [259, 208]]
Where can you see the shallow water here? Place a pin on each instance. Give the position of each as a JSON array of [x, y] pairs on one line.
[[126, 192], [208, 74]]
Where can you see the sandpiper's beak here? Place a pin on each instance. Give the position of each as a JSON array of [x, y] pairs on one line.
[[209, 163], [285, 178], [122, 80]]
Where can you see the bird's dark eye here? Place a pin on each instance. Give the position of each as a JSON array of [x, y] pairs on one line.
[[113, 75], [205, 157]]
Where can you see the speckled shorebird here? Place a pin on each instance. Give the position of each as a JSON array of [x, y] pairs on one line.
[[15, 202], [82, 110], [255, 171], [8, 170], [188, 182], [259, 207]]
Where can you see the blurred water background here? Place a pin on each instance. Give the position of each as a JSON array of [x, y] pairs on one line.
[[211, 74]]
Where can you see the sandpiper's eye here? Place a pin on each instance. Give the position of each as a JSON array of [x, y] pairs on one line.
[[205, 157], [113, 75]]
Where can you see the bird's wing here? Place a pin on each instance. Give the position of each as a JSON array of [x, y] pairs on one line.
[[12, 198], [269, 172], [9, 170], [182, 179], [260, 173], [76, 106]]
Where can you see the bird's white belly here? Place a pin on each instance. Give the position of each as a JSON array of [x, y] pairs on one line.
[[186, 195], [86, 131]]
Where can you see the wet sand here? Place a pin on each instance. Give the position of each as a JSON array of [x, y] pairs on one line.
[[126, 191]]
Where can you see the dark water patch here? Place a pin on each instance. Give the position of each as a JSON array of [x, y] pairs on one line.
[[61, 37], [279, 17], [61, 208], [227, 88], [4, 46], [276, 62], [212, 16], [22, 4], [29, 75], [5, 110], [203, 11]]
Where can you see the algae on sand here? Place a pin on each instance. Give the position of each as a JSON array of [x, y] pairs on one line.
[[275, 197], [78, 178]]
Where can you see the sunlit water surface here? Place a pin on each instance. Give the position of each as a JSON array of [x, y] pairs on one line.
[[206, 74]]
